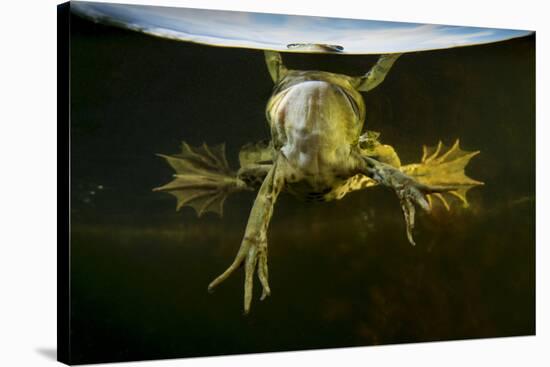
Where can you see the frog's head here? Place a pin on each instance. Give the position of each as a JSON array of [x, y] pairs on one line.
[[315, 47]]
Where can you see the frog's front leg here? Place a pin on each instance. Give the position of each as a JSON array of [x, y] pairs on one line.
[[376, 74], [275, 65], [253, 250]]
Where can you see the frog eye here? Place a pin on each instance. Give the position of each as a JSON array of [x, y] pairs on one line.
[[315, 47]]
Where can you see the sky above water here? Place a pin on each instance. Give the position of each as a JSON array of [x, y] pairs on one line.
[[277, 31]]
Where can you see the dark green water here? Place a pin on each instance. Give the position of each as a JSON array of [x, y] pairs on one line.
[[341, 273]]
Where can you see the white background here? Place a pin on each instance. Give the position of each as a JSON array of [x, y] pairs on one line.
[[28, 183]]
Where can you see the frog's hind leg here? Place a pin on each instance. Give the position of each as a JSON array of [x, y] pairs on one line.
[[444, 167], [440, 174], [203, 179], [253, 250], [439, 166]]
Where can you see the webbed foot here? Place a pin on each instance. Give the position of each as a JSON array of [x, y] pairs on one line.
[[203, 179], [445, 168], [440, 174]]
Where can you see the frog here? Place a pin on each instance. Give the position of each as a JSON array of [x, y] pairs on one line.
[[318, 151]]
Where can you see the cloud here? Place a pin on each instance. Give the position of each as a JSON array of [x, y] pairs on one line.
[[273, 31]]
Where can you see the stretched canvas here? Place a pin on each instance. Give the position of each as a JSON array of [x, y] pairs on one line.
[[237, 182]]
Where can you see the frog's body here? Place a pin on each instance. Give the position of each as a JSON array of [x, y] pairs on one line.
[[315, 125], [316, 152]]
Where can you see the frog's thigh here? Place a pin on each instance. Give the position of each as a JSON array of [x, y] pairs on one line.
[[354, 183], [386, 154], [254, 174]]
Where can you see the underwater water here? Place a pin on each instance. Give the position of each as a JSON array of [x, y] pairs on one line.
[[341, 273]]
